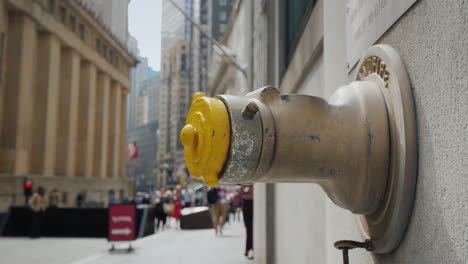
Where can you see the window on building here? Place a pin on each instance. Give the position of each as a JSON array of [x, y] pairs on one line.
[[62, 14], [82, 31], [223, 15], [298, 12], [222, 2], [2, 44], [98, 45], [222, 28], [72, 22], [104, 50], [51, 6], [111, 56]]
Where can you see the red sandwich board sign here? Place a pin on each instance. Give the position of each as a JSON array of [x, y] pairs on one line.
[[122, 222]]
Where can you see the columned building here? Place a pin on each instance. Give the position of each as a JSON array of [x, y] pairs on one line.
[[64, 81]]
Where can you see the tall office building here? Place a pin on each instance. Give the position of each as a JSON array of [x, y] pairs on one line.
[[64, 80], [145, 134], [174, 103], [213, 17], [138, 74], [173, 23]]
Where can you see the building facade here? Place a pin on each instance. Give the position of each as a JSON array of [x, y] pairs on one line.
[[300, 47], [112, 14], [145, 134], [174, 102], [173, 23], [64, 84], [213, 17]]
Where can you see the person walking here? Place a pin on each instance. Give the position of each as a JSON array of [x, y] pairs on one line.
[[217, 200], [188, 196], [54, 199], [38, 204], [245, 195], [177, 205], [161, 215]]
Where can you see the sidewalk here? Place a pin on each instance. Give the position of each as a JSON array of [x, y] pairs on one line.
[[169, 247]]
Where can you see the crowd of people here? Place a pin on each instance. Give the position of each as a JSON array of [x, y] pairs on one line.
[[225, 205], [38, 203]]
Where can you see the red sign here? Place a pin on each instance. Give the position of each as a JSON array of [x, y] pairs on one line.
[[122, 222]]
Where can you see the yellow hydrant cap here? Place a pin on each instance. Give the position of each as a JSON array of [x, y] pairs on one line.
[[206, 138]]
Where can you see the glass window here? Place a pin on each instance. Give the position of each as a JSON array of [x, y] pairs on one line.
[[63, 14], [2, 44], [104, 50], [222, 28], [297, 14], [82, 31], [222, 2], [223, 16], [111, 56], [98, 45], [51, 6], [72, 21]]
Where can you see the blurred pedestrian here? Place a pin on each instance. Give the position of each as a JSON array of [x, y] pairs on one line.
[[80, 198], [217, 200], [188, 196], [54, 198], [161, 215], [146, 199], [245, 195], [177, 205], [38, 204], [112, 197]]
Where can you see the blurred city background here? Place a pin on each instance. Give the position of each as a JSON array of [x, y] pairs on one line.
[[94, 94]]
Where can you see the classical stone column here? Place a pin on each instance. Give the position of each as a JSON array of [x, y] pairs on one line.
[[86, 119], [67, 112], [123, 135], [17, 125], [111, 131], [46, 107], [115, 127], [73, 118], [3, 40], [101, 125]]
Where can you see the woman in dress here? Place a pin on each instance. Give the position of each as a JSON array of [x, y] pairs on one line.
[[177, 205]]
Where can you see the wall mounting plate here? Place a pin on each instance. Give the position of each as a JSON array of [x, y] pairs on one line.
[[387, 226]]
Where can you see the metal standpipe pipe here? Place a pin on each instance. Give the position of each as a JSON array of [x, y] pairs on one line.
[[359, 146], [339, 145]]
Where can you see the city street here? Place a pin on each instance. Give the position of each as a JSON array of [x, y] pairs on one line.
[[171, 246]]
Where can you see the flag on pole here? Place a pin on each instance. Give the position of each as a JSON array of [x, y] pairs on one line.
[[133, 150]]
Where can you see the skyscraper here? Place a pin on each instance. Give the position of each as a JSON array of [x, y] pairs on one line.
[[213, 17], [173, 23], [174, 102]]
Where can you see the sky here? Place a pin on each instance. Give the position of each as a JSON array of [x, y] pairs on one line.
[[144, 23]]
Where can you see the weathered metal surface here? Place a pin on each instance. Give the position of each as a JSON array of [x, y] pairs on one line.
[[346, 245], [246, 142], [360, 146], [341, 145]]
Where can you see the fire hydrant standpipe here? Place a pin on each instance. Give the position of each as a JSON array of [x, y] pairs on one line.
[[359, 146]]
